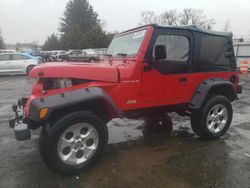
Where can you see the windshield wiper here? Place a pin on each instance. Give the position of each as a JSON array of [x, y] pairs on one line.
[[110, 56], [123, 56]]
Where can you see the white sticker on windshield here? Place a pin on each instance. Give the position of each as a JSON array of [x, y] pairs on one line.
[[139, 34]]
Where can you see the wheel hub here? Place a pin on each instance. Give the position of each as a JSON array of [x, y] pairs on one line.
[[78, 143], [217, 118]]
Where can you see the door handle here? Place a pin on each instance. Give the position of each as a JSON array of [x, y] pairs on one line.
[[183, 79]]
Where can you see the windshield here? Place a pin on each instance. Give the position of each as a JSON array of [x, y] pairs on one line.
[[128, 44]]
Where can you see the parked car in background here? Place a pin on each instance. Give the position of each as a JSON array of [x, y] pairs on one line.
[[56, 55], [93, 55], [66, 56], [38, 58], [16, 63], [88, 55], [7, 51], [47, 56]]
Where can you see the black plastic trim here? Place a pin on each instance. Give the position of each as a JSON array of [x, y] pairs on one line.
[[71, 98], [204, 89]]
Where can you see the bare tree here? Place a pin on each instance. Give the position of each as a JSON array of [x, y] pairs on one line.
[[148, 17], [168, 18], [195, 17], [172, 17]]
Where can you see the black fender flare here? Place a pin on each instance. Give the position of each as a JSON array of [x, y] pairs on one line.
[[70, 98], [218, 85]]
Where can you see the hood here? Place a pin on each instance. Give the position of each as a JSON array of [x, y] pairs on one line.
[[97, 72]]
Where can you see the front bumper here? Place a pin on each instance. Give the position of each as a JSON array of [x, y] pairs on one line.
[[17, 122]]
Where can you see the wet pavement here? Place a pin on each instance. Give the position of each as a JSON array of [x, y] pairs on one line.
[[135, 156]]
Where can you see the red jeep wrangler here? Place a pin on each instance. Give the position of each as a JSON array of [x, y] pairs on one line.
[[147, 71]]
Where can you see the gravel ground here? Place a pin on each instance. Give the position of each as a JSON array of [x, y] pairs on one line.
[[134, 157]]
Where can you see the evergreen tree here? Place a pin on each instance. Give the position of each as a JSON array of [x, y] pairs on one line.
[[51, 43], [78, 13], [2, 45], [80, 27]]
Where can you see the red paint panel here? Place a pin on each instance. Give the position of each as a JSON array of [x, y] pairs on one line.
[[98, 72], [136, 89]]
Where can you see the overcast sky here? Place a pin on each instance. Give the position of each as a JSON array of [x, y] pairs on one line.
[[34, 20]]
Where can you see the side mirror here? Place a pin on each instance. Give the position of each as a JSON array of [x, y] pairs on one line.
[[160, 52]]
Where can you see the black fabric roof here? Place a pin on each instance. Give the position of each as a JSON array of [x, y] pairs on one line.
[[197, 29], [192, 28]]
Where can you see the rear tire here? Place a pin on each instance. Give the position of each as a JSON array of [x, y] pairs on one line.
[[74, 143], [92, 60], [213, 119], [29, 68]]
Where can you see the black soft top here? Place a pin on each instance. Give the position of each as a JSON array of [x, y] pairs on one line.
[[191, 28], [197, 29]]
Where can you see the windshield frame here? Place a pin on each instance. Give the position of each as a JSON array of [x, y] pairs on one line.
[[127, 33]]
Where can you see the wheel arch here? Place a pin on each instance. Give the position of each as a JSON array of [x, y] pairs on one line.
[[28, 66], [92, 58], [91, 99], [99, 107], [210, 87]]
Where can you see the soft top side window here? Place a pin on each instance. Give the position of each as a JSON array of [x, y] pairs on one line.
[[177, 47], [213, 50], [216, 54]]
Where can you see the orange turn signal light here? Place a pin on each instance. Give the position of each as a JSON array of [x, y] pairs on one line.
[[43, 113]]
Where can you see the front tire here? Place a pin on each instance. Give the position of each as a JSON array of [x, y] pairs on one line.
[[75, 142], [213, 119]]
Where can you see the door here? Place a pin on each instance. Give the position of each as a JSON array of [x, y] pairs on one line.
[[5, 63], [75, 55], [168, 79], [19, 62]]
